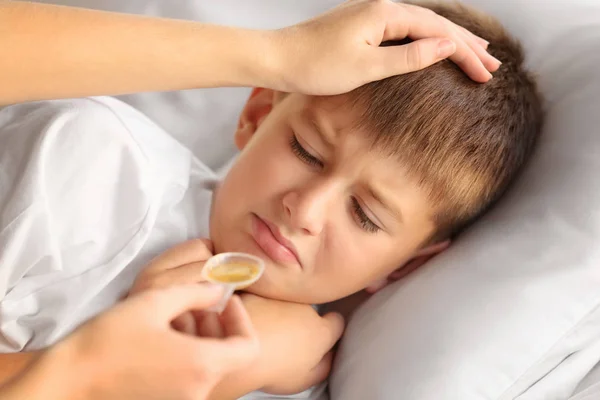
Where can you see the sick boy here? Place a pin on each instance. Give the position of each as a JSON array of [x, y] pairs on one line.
[[336, 194]]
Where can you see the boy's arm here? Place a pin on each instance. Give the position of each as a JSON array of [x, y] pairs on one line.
[[295, 353], [348, 305]]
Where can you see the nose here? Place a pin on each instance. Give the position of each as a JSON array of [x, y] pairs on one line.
[[308, 208]]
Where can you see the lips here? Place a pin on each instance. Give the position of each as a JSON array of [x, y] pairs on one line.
[[272, 243]]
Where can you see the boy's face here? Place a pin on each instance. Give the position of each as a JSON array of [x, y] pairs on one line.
[[329, 216]]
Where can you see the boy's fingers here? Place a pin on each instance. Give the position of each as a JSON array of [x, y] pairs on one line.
[[334, 327], [236, 320], [315, 376], [320, 372], [416, 55], [185, 253], [323, 368]]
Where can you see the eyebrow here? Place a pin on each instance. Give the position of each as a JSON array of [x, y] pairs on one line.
[[313, 122], [395, 211]]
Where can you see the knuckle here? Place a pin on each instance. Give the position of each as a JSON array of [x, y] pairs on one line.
[[414, 58], [372, 67], [148, 282], [447, 26]]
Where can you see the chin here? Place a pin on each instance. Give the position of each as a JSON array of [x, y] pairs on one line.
[[266, 289]]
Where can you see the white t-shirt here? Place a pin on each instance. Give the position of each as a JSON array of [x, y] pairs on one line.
[[90, 191]]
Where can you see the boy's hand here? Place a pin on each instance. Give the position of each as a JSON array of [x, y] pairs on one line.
[[295, 341], [180, 265], [339, 50], [295, 348]]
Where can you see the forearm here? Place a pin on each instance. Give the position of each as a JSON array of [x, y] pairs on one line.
[[51, 376], [13, 364], [57, 52], [234, 386], [240, 383]]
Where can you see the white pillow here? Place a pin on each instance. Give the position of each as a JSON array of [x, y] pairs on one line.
[[511, 310]]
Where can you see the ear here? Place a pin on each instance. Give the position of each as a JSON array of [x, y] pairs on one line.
[[433, 249], [420, 258], [259, 105]]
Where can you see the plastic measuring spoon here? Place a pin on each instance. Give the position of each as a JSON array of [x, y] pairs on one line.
[[234, 271]]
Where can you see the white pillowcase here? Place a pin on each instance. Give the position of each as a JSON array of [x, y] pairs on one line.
[[511, 310]]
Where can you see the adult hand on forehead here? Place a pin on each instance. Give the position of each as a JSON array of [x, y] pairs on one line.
[[340, 50], [330, 54]]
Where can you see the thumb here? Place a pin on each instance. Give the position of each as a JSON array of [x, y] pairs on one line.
[[316, 375], [415, 55], [334, 327]]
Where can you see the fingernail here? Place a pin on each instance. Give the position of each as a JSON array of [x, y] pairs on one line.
[[446, 48]]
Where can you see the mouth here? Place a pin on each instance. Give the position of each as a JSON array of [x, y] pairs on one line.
[[270, 240]]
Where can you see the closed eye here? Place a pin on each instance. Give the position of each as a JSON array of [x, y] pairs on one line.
[[302, 154], [363, 219]]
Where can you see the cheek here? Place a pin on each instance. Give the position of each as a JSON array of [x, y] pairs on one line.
[[362, 259], [269, 164], [349, 254], [262, 171]]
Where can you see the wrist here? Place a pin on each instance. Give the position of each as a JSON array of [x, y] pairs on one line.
[[261, 59], [61, 373]]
